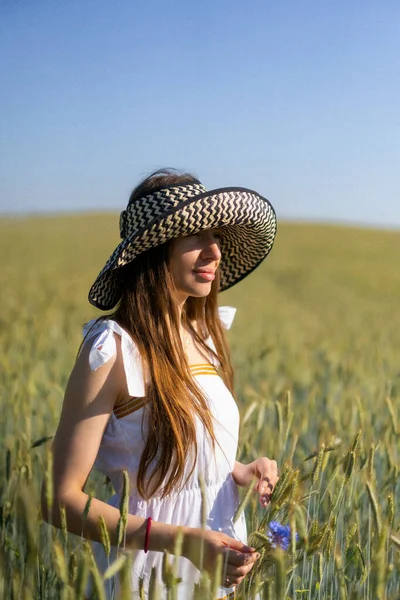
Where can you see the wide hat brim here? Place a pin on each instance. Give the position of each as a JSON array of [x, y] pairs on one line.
[[249, 229]]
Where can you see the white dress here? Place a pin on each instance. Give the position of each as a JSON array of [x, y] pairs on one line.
[[122, 445]]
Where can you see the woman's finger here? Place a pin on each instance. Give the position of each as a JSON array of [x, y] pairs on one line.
[[240, 559], [233, 571], [266, 486], [234, 576], [269, 476], [265, 499], [231, 581], [266, 483], [232, 544]]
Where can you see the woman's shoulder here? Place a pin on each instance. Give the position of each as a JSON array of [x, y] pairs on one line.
[[100, 335], [97, 326]]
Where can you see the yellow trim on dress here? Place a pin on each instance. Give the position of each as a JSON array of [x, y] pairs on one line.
[[130, 406], [203, 369], [133, 404]]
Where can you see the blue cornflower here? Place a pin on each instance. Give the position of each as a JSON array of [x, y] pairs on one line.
[[279, 535]]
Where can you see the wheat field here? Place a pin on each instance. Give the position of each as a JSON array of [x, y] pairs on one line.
[[316, 351]]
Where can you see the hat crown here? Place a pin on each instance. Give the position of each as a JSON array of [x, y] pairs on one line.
[[141, 211]]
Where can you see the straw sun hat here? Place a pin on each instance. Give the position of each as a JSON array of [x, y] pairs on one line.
[[248, 221]]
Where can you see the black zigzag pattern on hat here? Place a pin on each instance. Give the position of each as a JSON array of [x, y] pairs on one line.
[[141, 211], [249, 229]]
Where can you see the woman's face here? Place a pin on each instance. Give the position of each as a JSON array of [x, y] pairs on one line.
[[193, 262]]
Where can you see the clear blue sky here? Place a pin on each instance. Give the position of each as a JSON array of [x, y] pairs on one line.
[[299, 100]]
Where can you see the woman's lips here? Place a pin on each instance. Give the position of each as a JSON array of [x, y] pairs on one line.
[[206, 275]]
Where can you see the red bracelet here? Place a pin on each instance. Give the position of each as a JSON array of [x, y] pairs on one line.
[[147, 536]]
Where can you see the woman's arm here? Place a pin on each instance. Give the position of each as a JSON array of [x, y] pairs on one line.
[[263, 471], [89, 399]]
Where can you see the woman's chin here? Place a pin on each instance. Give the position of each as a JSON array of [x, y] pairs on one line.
[[198, 291]]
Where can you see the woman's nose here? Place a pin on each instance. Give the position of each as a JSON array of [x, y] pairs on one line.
[[212, 250]]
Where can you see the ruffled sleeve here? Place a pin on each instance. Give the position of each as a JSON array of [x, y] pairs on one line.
[[103, 346], [226, 315]]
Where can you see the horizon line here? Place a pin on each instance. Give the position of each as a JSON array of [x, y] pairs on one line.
[[292, 220]]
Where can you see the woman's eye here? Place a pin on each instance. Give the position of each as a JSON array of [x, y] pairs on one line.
[[198, 236]]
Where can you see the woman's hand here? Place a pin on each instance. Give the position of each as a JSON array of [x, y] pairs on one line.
[[202, 548], [264, 471]]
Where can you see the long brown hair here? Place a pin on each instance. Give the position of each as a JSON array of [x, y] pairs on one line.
[[148, 312]]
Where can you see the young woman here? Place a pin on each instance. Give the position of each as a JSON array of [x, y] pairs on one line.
[[151, 392]]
